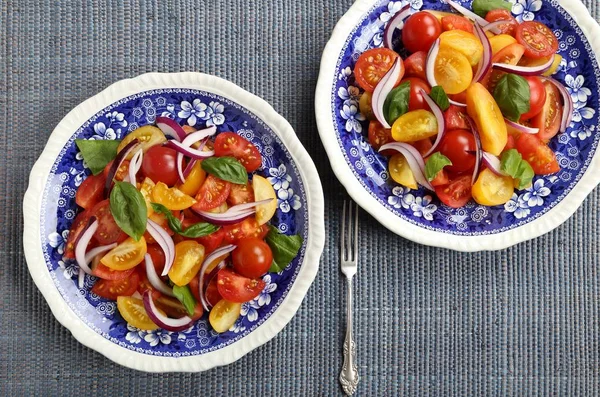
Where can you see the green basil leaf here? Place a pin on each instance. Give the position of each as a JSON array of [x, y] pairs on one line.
[[226, 168], [97, 153], [128, 207], [174, 223], [194, 231], [439, 96], [284, 248], [513, 96], [482, 7], [396, 102], [512, 164], [526, 175], [435, 163], [184, 295]]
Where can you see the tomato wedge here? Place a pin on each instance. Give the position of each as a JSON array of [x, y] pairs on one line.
[[224, 314], [194, 180], [126, 255], [456, 118], [247, 228], [415, 65], [212, 292], [372, 65], [172, 198], [503, 15], [189, 255], [236, 288], [539, 41], [112, 289], [378, 135], [240, 194], [108, 231], [147, 135], [212, 241], [106, 273], [548, 120], [80, 222], [457, 193], [91, 191], [212, 193], [541, 158], [453, 22], [133, 311], [233, 145]]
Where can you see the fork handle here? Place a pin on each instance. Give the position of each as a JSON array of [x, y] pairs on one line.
[[349, 374]]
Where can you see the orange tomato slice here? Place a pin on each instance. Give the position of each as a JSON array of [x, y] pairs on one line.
[[453, 71], [133, 311], [224, 314], [414, 126], [464, 42], [189, 256], [194, 180], [172, 198], [147, 135], [126, 255]]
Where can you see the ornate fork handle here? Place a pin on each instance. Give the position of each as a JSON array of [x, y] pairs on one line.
[[349, 375]]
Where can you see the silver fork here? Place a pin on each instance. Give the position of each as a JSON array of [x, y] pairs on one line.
[[349, 261]]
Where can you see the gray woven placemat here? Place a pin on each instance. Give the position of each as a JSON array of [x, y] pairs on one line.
[[524, 321]]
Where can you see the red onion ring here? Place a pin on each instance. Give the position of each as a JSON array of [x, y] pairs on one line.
[[171, 128], [166, 243], [459, 104], [207, 261], [383, 88], [188, 151], [430, 65], [569, 106], [478, 149], [441, 121], [154, 279], [233, 215], [81, 278], [396, 22], [486, 60], [493, 163], [414, 160], [83, 242], [521, 128], [135, 165], [494, 25], [199, 135], [188, 169], [472, 16], [164, 322], [525, 70], [91, 254]]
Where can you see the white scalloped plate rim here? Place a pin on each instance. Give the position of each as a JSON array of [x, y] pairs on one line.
[[39, 175], [544, 224]]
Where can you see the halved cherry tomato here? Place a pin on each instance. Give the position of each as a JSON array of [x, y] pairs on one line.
[[378, 135], [441, 179], [172, 198], [415, 65], [511, 143], [126, 255], [537, 97], [420, 31], [463, 42], [121, 173], [423, 146], [365, 105], [510, 55], [108, 231], [158, 257], [111, 289], [541, 158], [212, 292], [372, 65], [457, 193], [484, 110], [252, 257], [145, 284], [133, 311], [263, 190], [247, 228], [414, 126], [233, 145], [539, 41], [106, 273], [549, 118], [240, 194], [160, 165], [212, 193], [500, 42], [400, 171], [91, 191], [452, 22], [224, 314], [160, 220], [146, 188], [503, 15], [459, 146], [416, 100], [194, 180], [212, 241], [148, 136], [456, 118], [236, 288], [453, 71], [80, 222], [189, 255], [491, 189]]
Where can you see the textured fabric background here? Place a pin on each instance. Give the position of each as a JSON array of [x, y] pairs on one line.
[[524, 321]]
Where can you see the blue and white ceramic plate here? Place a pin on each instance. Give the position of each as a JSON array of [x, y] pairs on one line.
[[49, 209], [419, 215]]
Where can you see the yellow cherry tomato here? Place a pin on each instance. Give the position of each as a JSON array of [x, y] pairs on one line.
[[133, 311], [465, 43], [146, 189], [484, 110], [401, 172], [414, 126], [147, 135], [500, 42], [440, 14], [189, 256], [224, 314], [126, 255], [264, 190], [452, 71], [172, 198], [555, 65], [194, 180], [491, 189], [365, 105]]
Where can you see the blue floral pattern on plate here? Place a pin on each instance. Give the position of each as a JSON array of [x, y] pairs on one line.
[[579, 72], [195, 108]]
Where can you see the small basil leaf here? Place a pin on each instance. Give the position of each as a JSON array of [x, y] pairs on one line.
[[482, 7], [97, 153], [435, 163], [525, 174], [396, 102], [226, 168], [199, 230], [512, 94], [439, 96], [184, 295], [284, 248], [509, 163], [174, 223], [128, 207]]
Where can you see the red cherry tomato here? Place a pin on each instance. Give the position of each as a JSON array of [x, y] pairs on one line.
[[415, 65], [240, 194], [538, 97], [91, 191], [158, 257], [456, 193], [458, 146], [212, 292], [372, 65], [456, 22], [160, 165], [549, 118], [80, 222], [420, 31], [378, 135], [212, 193], [456, 118], [108, 231], [416, 100], [252, 258], [111, 289], [236, 288], [503, 15], [541, 158], [212, 241], [539, 41], [232, 145], [248, 228], [511, 143], [422, 146], [106, 273], [440, 179]]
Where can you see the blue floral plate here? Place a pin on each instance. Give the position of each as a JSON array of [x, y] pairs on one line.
[[419, 215], [49, 209]]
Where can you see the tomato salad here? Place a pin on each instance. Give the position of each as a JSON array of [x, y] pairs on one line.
[[174, 224], [469, 113]]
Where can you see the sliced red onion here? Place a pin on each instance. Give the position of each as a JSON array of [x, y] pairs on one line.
[[166, 243], [83, 242], [233, 215], [525, 70], [472, 16], [121, 156], [383, 88], [204, 289], [210, 259], [171, 128], [430, 65], [135, 165], [396, 22], [486, 60], [188, 169], [246, 206], [154, 279], [180, 167], [91, 254], [478, 149], [81, 278], [493, 163], [494, 25], [164, 322], [441, 120], [197, 136], [569, 107], [413, 158], [521, 128], [459, 104], [188, 151]]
